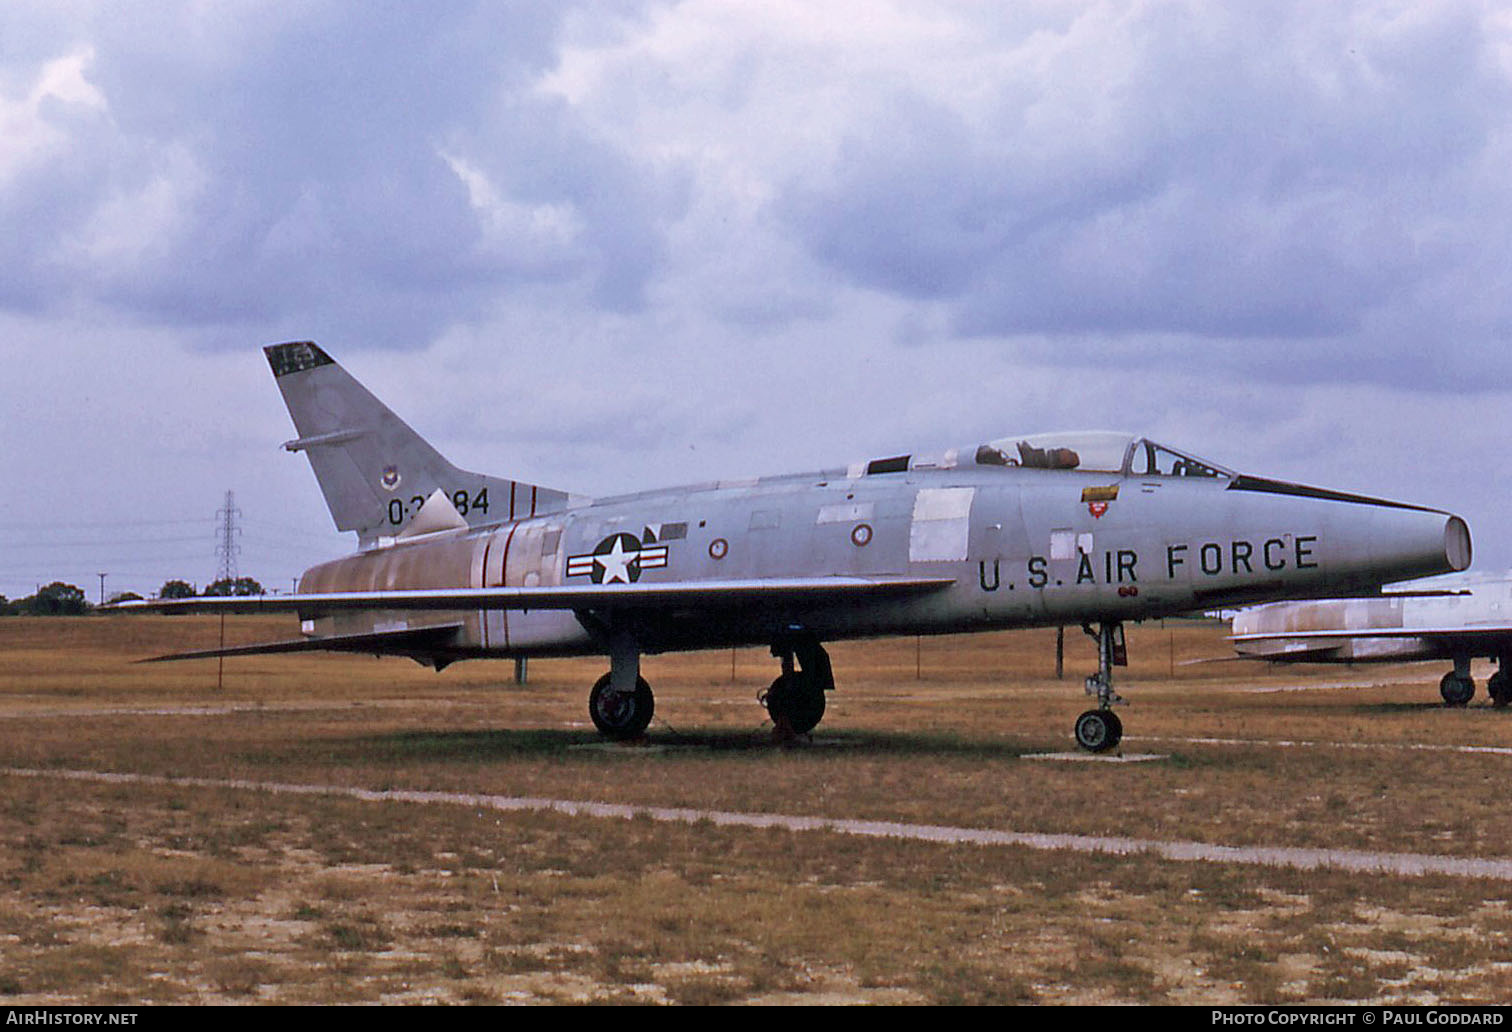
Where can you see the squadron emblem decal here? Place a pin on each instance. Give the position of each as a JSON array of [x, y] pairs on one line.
[[1097, 499], [390, 478], [618, 559]]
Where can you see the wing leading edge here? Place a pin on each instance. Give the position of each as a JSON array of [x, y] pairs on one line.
[[717, 594]]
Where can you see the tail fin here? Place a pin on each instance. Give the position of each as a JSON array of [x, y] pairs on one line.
[[374, 470]]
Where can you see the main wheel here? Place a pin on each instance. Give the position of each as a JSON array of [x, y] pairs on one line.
[[1098, 730], [796, 699], [621, 715], [1499, 686], [1456, 690]]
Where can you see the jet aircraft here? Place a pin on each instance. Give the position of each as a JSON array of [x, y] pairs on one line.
[[1458, 623], [1096, 528]]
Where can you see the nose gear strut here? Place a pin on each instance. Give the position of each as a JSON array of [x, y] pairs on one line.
[[1100, 730]]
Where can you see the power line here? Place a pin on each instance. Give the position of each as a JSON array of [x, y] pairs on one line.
[[90, 524]]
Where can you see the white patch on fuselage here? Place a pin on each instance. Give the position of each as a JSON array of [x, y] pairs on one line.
[[941, 524]]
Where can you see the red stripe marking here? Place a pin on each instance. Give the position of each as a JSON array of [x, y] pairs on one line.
[[483, 582], [504, 578]]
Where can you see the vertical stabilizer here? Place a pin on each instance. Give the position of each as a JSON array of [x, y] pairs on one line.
[[375, 472]]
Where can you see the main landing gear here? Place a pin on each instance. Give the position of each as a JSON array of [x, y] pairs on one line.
[[1099, 730], [621, 702], [795, 702], [618, 714], [1457, 687], [1500, 683]]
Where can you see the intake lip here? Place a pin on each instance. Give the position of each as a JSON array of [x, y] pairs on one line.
[[1457, 548]]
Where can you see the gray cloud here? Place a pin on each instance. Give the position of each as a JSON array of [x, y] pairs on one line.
[[291, 172], [1266, 174]]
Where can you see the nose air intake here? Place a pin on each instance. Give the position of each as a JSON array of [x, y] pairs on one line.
[[1457, 544], [1405, 544]]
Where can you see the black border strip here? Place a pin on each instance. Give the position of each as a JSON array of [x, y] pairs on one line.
[[1244, 482]]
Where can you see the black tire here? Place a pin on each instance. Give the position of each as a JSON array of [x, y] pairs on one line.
[[1098, 730], [1499, 687], [619, 715], [1456, 691], [796, 700]]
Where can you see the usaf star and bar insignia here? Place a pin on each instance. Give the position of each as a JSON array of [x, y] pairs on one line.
[[619, 558]]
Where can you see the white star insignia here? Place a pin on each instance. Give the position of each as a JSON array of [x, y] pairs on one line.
[[616, 563]]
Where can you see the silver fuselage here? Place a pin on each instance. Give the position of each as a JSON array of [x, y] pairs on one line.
[[1024, 547]]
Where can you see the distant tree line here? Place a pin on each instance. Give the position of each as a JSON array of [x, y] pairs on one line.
[[59, 599]]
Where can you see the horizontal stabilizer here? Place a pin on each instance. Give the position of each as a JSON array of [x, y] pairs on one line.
[[1209, 660], [1283, 651], [401, 641], [728, 594]]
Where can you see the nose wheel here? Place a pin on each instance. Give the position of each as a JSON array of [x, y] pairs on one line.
[[1098, 730]]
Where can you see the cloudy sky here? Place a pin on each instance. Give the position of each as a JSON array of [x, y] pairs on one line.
[[620, 245]]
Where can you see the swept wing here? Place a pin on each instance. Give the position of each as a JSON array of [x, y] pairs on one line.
[[710, 595], [705, 594]]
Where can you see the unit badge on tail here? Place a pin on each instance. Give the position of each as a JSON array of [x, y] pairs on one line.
[[618, 559]]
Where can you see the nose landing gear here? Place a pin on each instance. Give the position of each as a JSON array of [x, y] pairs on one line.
[[1099, 730]]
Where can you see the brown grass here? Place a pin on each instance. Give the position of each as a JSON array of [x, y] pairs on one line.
[[121, 893]]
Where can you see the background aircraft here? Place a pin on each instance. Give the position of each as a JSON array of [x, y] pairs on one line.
[[1093, 528], [1458, 624]]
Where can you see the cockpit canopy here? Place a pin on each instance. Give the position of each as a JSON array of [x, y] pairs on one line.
[[1098, 451]]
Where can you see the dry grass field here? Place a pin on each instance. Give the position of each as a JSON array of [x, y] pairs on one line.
[[162, 891]]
